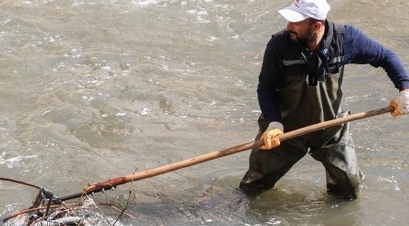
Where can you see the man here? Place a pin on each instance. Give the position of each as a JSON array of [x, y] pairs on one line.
[[300, 84]]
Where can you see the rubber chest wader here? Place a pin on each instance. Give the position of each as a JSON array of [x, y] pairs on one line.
[[303, 104]]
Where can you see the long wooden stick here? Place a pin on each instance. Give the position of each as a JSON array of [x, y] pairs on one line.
[[111, 183]]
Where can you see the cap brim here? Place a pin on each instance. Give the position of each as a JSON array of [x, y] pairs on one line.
[[291, 15]]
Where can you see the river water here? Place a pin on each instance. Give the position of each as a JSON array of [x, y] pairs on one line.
[[97, 89]]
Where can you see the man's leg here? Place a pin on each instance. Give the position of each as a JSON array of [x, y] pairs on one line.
[[266, 167], [340, 162]]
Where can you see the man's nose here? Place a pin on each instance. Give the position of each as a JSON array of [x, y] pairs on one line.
[[289, 26]]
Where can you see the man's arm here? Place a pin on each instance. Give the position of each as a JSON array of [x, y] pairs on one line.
[[267, 85], [361, 49]]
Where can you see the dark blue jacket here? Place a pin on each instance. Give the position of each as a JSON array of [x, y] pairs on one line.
[[357, 49]]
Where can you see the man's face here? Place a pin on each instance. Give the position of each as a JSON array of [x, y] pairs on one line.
[[301, 32]]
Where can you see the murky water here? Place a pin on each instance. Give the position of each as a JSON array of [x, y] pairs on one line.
[[96, 89]]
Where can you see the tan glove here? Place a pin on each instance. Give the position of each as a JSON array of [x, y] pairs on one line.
[[400, 103], [270, 138]]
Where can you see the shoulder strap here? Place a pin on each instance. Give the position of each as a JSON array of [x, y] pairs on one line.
[[329, 33]]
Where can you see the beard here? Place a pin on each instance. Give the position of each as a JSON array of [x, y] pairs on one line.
[[302, 39]]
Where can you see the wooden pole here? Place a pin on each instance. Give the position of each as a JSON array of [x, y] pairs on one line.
[[112, 183]]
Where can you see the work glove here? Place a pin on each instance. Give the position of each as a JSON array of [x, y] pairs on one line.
[[270, 138], [400, 103]]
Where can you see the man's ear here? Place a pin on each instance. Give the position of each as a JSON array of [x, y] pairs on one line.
[[318, 25]]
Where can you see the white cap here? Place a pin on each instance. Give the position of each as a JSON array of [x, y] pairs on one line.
[[303, 9]]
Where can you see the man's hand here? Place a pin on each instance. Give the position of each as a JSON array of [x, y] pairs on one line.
[[270, 138], [400, 103]]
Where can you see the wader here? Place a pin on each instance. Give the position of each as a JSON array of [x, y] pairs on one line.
[[302, 104]]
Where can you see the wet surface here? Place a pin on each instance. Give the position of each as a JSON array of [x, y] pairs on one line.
[[92, 90]]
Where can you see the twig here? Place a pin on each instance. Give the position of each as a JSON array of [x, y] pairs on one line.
[[20, 182], [124, 208]]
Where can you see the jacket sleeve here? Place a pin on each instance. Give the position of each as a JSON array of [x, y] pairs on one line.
[[268, 81], [360, 49]]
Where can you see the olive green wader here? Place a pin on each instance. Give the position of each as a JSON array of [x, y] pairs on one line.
[[302, 105]]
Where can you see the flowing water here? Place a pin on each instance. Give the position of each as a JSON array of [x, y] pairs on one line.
[[96, 89]]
